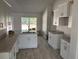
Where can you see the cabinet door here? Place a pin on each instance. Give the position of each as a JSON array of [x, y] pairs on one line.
[[33, 41], [62, 52], [16, 46], [50, 40], [12, 54], [28, 41], [64, 10], [4, 55], [56, 41], [64, 49]]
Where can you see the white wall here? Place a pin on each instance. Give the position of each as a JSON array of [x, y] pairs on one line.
[[47, 18], [17, 20], [74, 32], [44, 22]]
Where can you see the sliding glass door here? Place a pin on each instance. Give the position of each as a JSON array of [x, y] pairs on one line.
[[28, 24]]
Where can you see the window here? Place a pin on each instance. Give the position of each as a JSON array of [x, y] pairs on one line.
[[9, 24], [28, 24]]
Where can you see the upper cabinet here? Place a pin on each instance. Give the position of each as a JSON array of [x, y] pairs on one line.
[[63, 10]]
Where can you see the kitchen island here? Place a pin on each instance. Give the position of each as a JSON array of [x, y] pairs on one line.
[[28, 40]]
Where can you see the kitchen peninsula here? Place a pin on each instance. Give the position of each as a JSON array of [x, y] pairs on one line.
[[8, 46]]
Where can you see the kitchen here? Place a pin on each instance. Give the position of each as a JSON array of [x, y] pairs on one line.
[[55, 25]]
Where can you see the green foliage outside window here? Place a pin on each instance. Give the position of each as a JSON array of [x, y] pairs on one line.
[[27, 20]]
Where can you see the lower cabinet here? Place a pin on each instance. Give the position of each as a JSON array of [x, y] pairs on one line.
[[27, 41], [11, 54], [54, 40], [64, 50], [5, 55]]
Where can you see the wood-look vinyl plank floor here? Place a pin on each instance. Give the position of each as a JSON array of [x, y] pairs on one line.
[[44, 51]]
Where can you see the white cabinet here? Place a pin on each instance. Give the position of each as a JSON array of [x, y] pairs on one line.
[[54, 40], [27, 41], [11, 54], [64, 51], [4, 56], [14, 50], [63, 10], [16, 46]]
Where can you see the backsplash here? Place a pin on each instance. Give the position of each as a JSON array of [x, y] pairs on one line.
[[53, 28]]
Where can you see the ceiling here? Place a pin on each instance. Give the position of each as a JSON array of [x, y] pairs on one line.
[[34, 6]]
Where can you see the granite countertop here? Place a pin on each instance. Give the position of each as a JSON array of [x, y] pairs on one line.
[[56, 32], [29, 32], [7, 43], [65, 37]]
